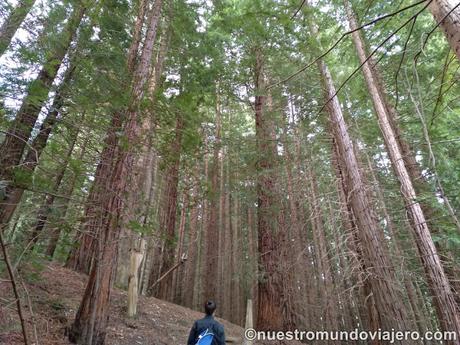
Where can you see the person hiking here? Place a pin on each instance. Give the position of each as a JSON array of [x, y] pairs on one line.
[[207, 331]]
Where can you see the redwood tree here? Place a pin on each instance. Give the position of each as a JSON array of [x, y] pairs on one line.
[[13, 22], [270, 285], [92, 316], [382, 278]]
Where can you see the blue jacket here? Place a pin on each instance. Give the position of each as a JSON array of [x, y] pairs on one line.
[[208, 322]]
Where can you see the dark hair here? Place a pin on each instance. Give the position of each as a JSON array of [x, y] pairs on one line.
[[209, 307]]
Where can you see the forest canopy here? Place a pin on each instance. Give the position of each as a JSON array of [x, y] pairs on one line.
[[289, 153]]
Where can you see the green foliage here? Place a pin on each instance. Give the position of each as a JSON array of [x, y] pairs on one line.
[[210, 63]]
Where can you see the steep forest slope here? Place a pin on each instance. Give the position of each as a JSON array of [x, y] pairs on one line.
[[299, 154], [55, 294]]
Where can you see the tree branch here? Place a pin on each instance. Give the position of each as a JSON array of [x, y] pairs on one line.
[[15, 289], [346, 34]]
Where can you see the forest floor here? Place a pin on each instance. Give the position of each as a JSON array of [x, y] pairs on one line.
[[55, 294]]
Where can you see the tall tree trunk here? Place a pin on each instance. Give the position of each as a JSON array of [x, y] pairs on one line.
[[253, 250], [176, 291], [270, 286], [152, 271], [382, 277], [347, 300], [308, 277], [210, 277], [236, 296], [13, 22], [81, 256], [226, 239], [447, 14], [367, 312], [297, 255], [167, 221], [223, 273], [192, 252], [90, 323], [199, 295], [141, 179], [137, 34], [437, 279]]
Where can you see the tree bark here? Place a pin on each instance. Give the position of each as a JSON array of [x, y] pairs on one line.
[[417, 315], [90, 323], [210, 278], [226, 265], [270, 285], [133, 281], [81, 257], [137, 34], [297, 253], [381, 279], [439, 284], [367, 312], [13, 22], [447, 15], [176, 291], [192, 253], [167, 222]]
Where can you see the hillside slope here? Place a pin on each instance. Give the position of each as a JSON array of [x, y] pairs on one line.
[[55, 296]]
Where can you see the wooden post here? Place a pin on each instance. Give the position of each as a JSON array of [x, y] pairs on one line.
[[249, 321], [133, 282]]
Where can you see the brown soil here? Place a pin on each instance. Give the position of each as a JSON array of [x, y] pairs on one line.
[[55, 295]]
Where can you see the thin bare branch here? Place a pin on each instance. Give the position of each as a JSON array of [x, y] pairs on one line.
[[15, 289]]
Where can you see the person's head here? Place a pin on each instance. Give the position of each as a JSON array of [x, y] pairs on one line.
[[209, 307]]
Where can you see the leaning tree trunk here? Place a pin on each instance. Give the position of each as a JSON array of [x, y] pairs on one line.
[[417, 315], [90, 323], [12, 148], [439, 284], [388, 298], [367, 312], [30, 162], [447, 15], [13, 22]]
